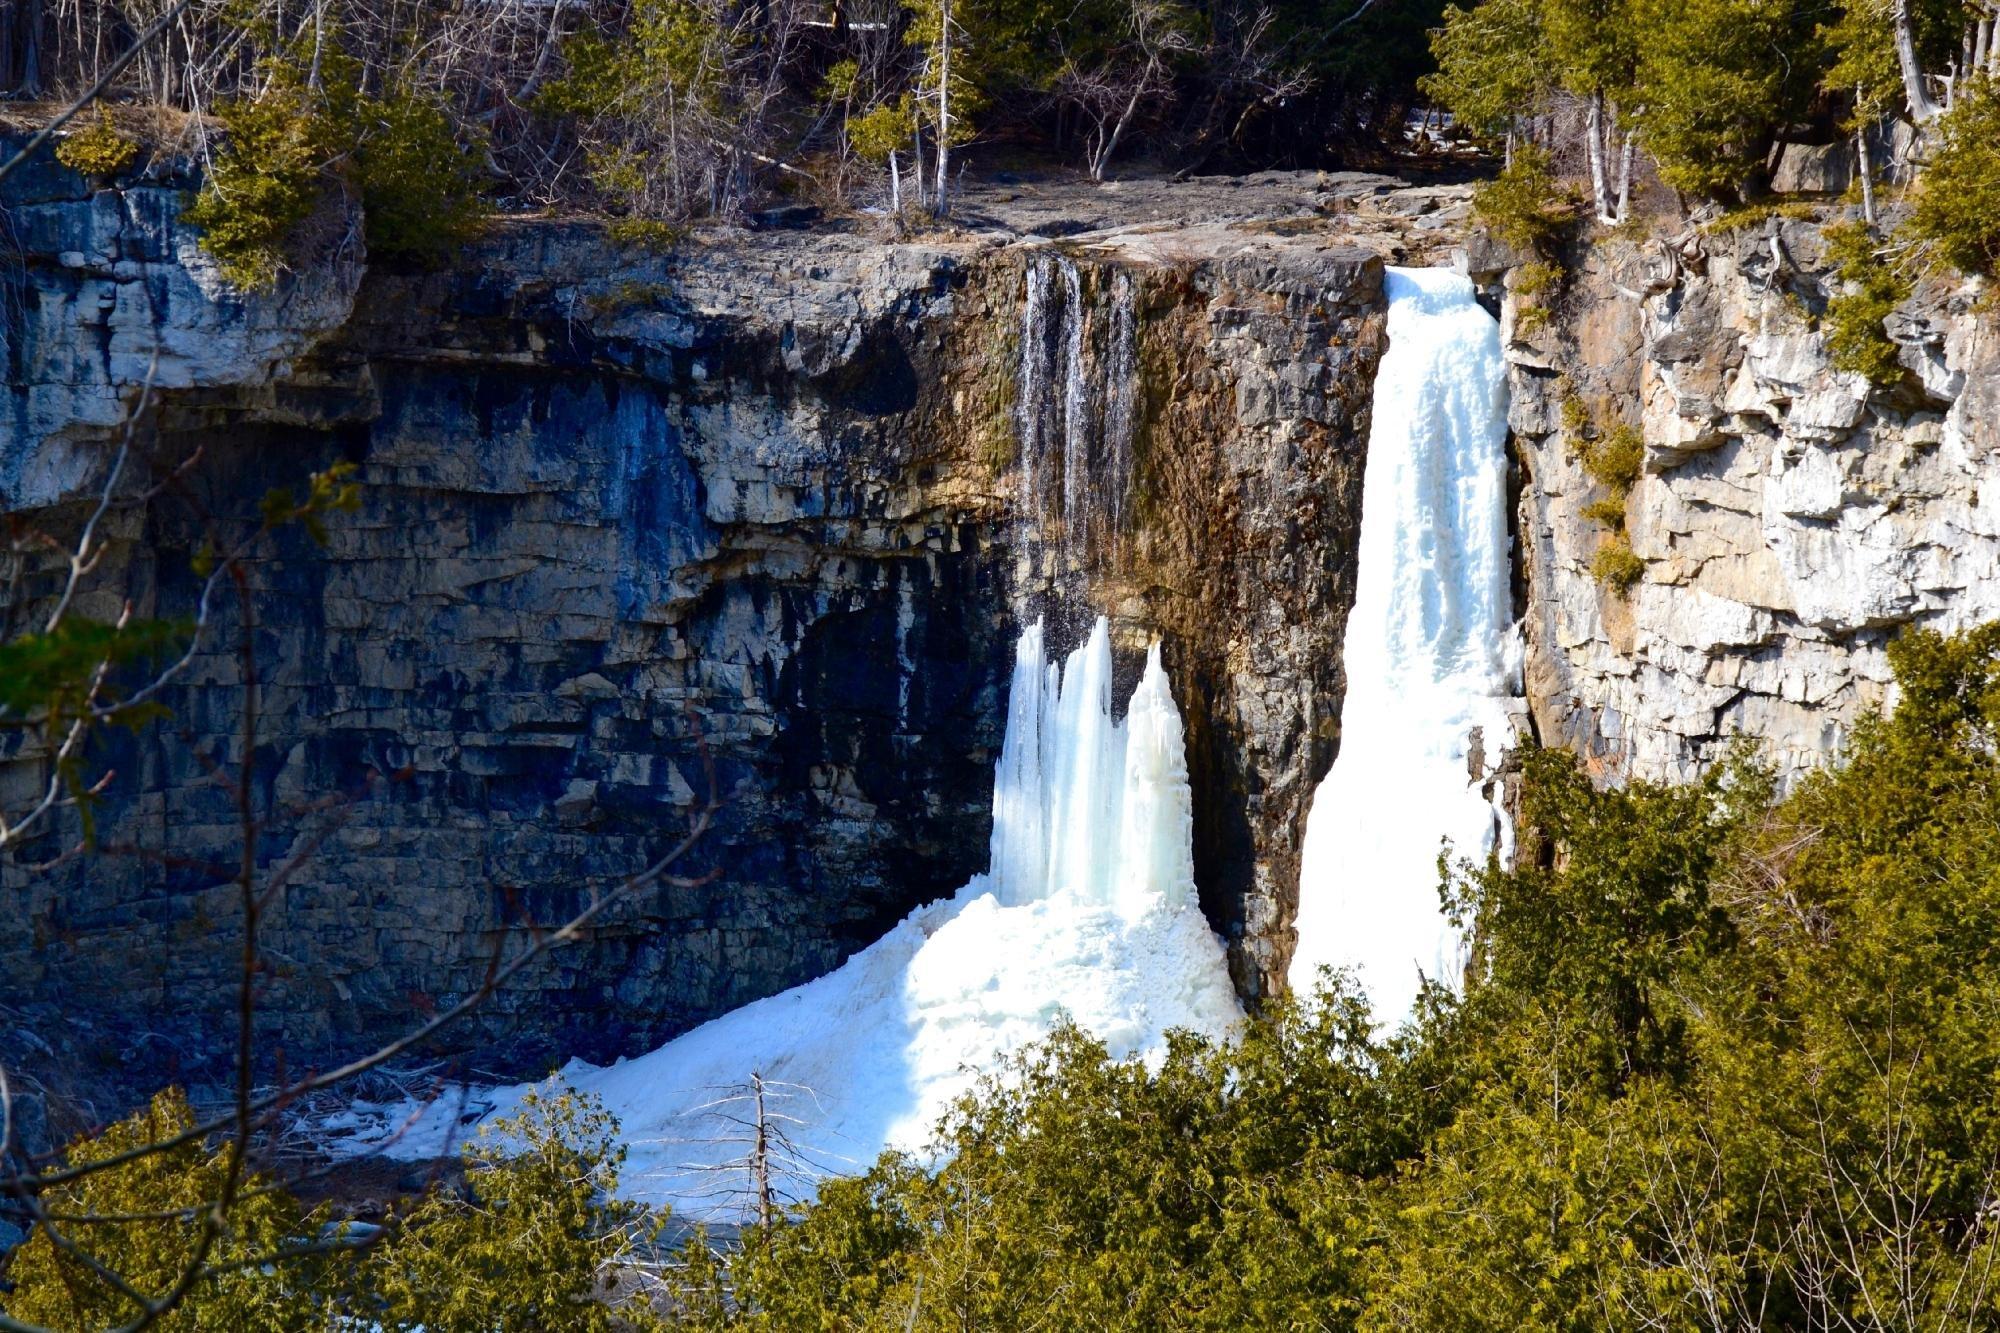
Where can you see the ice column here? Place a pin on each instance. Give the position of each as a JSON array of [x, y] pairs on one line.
[[1431, 654]]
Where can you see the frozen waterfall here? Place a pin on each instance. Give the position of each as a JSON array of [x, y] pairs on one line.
[[1088, 908], [1431, 654]]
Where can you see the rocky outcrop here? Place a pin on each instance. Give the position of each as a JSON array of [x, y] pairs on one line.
[[1791, 518], [771, 507]]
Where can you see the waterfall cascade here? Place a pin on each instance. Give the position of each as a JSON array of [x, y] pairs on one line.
[[1076, 405], [1088, 909], [1431, 654]]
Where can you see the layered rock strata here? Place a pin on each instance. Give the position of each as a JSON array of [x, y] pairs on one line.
[[770, 507], [1791, 518]]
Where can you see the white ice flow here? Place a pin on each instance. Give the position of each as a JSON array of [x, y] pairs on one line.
[[1431, 654], [1089, 908]]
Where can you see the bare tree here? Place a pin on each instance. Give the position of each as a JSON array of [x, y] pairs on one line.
[[1136, 75]]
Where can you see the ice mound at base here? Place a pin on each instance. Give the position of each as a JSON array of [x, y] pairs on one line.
[[1431, 653], [1088, 908]]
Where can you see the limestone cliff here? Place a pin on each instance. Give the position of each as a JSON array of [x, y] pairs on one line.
[[774, 503], [1791, 518]]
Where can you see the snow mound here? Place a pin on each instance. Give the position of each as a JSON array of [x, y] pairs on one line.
[[1088, 909]]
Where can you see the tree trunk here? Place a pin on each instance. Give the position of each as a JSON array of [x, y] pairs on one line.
[[944, 108], [1625, 179], [895, 186], [1866, 166], [1922, 109], [761, 1158], [31, 49], [1118, 130], [1600, 200]]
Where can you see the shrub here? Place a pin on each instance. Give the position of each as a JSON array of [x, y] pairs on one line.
[[1616, 458], [1606, 509], [1870, 291], [419, 186], [1575, 412], [1525, 205], [650, 106], [286, 150], [54, 1288], [531, 1241], [268, 177], [1616, 565], [1531, 283], [1957, 209], [99, 150]]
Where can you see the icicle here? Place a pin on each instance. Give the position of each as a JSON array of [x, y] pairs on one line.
[[1089, 770], [1020, 816], [1155, 862], [1032, 408]]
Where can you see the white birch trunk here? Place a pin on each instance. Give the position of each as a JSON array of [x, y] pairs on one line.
[[1625, 180], [1922, 109], [1594, 131], [1866, 165], [944, 108]]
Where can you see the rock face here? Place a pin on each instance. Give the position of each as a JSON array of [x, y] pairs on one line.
[[1791, 519], [760, 517]]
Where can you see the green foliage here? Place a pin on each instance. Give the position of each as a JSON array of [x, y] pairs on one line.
[[56, 1289], [332, 491], [1087, 1193], [71, 677], [267, 178], [528, 1244], [1956, 213], [1720, 1058], [650, 104], [420, 187], [1703, 86], [1492, 65], [532, 1242], [888, 128], [98, 149], [1524, 205], [1615, 564], [1757, 214], [49, 674], [1616, 458], [1608, 510], [1536, 278], [1870, 292], [1716, 79], [1531, 284], [1861, 48], [301, 140]]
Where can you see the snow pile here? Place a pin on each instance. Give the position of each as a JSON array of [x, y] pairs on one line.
[[1089, 908], [1431, 654]]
